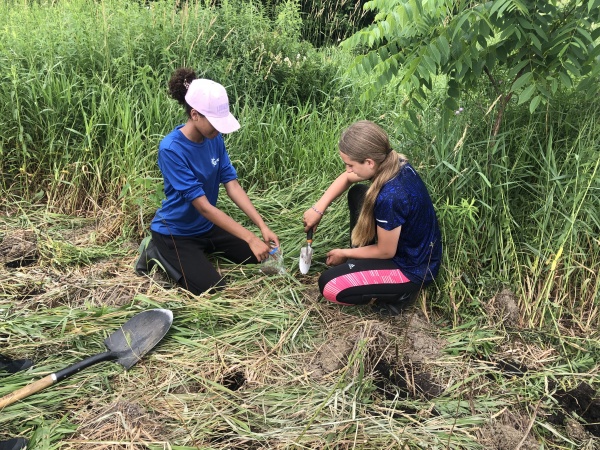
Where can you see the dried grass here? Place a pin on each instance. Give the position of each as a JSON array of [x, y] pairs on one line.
[[267, 363]]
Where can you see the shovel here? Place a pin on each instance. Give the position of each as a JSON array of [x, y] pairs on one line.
[[306, 253], [126, 346]]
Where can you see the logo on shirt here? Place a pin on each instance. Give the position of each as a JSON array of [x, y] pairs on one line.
[[382, 221], [351, 266], [214, 161]]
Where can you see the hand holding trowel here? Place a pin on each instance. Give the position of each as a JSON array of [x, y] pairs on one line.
[[306, 253]]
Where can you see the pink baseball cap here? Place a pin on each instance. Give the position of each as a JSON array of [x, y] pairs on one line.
[[210, 99]]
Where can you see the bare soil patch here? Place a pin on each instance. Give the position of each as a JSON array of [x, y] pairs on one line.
[[504, 308], [19, 248]]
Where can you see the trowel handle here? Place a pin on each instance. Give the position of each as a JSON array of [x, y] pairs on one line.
[[309, 236]]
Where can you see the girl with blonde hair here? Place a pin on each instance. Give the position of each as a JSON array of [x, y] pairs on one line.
[[396, 246]]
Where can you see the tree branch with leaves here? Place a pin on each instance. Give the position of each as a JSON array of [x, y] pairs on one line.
[[537, 47]]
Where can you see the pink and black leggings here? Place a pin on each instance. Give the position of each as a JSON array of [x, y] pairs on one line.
[[362, 281]]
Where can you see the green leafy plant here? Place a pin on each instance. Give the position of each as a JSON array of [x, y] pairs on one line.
[[525, 48]]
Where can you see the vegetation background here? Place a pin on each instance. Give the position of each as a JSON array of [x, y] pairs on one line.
[[505, 336]]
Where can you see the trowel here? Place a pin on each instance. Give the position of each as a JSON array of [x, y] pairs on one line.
[[306, 253]]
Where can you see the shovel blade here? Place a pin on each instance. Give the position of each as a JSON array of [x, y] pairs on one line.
[[305, 259], [139, 335]]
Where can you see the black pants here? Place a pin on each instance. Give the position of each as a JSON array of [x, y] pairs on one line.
[[188, 254], [363, 281]]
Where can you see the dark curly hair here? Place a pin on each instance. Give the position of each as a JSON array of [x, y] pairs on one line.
[[178, 86]]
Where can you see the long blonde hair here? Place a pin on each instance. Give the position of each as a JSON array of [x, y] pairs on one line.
[[366, 140]]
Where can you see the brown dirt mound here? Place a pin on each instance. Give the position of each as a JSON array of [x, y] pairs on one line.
[[499, 436], [400, 352], [19, 248], [510, 431], [504, 307], [331, 356]]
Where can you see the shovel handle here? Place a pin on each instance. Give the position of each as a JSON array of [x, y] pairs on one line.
[[26, 391], [49, 380], [87, 362]]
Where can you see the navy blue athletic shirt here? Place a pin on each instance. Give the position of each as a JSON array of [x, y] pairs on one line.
[[404, 201], [190, 170]]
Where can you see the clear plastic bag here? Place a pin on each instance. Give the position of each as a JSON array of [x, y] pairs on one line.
[[274, 264]]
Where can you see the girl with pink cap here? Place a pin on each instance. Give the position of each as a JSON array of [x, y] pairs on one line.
[[194, 163]]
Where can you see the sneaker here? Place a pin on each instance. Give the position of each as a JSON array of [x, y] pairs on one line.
[[144, 263], [14, 444], [393, 304], [14, 365], [386, 309], [150, 257]]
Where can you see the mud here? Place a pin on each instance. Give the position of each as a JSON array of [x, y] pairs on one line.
[[582, 402], [406, 380]]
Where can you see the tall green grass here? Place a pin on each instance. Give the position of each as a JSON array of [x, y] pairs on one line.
[[524, 210], [84, 106], [83, 97]]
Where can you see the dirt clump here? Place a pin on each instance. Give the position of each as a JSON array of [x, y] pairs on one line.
[[406, 337], [404, 358], [509, 431], [331, 356], [19, 248], [498, 436], [503, 307], [583, 402], [575, 430], [422, 344]]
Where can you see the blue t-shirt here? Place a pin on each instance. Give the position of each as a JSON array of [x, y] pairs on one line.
[[190, 170], [404, 201]]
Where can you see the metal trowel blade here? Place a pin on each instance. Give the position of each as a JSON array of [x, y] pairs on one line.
[[305, 259]]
